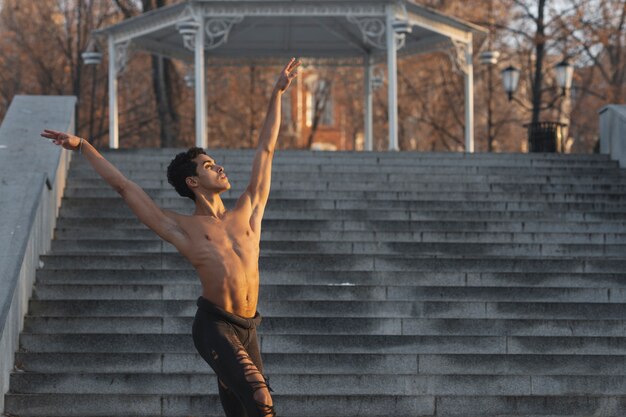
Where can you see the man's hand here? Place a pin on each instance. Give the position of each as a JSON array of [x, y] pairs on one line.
[[66, 140], [286, 75]]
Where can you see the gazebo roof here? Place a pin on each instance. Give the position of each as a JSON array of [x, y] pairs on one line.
[[342, 31]]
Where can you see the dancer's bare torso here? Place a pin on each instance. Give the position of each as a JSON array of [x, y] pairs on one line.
[[225, 254]]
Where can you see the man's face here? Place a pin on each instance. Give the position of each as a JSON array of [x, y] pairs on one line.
[[211, 177]]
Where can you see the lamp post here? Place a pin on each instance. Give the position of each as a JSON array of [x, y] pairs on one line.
[[490, 59], [542, 136], [92, 56]]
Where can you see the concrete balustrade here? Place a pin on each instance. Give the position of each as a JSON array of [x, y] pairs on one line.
[[613, 132], [32, 179]]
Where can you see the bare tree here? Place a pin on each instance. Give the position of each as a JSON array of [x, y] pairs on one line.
[[320, 90]]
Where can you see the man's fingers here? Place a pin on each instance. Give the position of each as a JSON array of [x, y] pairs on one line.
[[288, 65], [293, 64]]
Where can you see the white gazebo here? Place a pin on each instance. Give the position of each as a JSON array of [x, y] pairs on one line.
[[343, 32]]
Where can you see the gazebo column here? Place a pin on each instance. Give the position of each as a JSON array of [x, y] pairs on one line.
[[200, 87], [368, 117], [392, 78], [113, 111], [469, 98]]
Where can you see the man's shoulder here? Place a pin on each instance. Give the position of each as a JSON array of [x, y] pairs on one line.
[[180, 219]]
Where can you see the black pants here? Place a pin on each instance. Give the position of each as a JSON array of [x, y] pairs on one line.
[[228, 343]]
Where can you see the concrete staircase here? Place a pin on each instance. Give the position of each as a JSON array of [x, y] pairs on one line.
[[393, 284]]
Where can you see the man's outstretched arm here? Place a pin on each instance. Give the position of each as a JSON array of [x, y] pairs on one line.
[[135, 197], [259, 187]]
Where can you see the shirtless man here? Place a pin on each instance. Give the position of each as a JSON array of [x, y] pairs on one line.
[[223, 247]]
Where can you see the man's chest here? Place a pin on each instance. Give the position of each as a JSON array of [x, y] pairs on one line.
[[222, 238]]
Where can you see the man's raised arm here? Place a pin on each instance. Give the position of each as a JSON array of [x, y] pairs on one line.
[[259, 187], [137, 199]]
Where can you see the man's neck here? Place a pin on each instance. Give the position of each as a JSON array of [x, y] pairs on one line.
[[210, 206]]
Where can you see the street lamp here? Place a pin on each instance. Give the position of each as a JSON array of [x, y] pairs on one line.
[[510, 78], [543, 136], [564, 75]]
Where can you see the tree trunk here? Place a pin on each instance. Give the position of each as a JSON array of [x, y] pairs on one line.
[[539, 52], [319, 105], [162, 86]]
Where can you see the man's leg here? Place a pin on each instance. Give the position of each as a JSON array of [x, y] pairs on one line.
[[252, 347], [231, 404], [221, 348], [247, 382]]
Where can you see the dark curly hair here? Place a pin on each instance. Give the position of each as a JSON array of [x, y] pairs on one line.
[[182, 167]]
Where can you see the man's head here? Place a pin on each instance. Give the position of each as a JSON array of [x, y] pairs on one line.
[[194, 171]]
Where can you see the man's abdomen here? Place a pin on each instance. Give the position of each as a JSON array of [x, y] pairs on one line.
[[237, 292]]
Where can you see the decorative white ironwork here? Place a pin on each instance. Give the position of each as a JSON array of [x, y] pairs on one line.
[[402, 26], [188, 26], [122, 55], [218, 61], [189, 13], [211, 10], [372, 29], [400, 40], [217, 30], [458, 56], [188, 29], [134, 28]]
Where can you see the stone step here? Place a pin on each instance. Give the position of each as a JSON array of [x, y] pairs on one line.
[[326, 384], [274, 325], [376, 168], [286, 384], [374, 248], [354, 291], [347, 262], [242, 156], [409, 155], [295, 363], [283, 188], [87, 405], [368, 194], [433, 180], [82, 234], [341, 308], [181, 204], [344, 157], [531, 406], [415, 226], [377, 214], [331, 363], [175, 343], [540, 279]]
